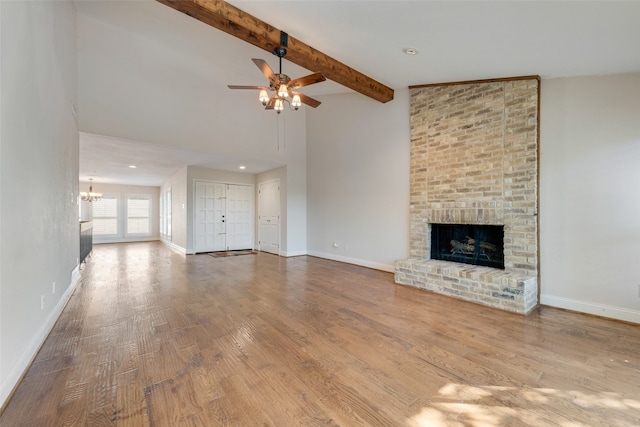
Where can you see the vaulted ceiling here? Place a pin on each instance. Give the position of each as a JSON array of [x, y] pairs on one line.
[[150, 76]]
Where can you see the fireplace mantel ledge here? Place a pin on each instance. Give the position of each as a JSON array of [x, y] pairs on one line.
[[511, 291]]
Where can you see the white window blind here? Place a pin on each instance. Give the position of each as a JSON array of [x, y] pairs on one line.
[[139, 214], [105, 216], [167, 212], [163, 221]]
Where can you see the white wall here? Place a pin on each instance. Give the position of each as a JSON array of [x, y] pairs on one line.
[[296, 213], [590, 195], [358, 180], [38, 177], [122, 191], [178, 185]]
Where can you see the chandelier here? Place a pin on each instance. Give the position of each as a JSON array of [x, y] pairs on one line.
[[90, 196]]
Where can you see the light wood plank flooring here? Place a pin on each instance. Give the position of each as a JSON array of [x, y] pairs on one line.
[[154, 338]]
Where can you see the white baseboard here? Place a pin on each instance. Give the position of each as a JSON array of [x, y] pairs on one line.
[[29, 354], [364, 263], [619, 313], [97, 241], [293, 253], [175, 247]]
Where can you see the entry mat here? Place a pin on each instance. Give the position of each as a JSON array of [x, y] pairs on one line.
[[231, 253]]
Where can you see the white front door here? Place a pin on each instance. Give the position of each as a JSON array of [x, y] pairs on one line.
[[239, 218], [210, 216], [269, 216], [223, 216]]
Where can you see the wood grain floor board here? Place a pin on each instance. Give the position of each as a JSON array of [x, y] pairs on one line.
[[155, 338]]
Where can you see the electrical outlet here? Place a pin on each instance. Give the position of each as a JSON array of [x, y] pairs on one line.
[[335, 245], [41, 301], [53, 288]]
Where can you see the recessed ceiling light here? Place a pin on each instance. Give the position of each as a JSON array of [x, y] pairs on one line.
[[243, 167], [132, 166], [410, 51]]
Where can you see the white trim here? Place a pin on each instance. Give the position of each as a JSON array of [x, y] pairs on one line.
[[619, 313], [97, 241], [20, 368], [292, 253], [364, 263], [175, 247]]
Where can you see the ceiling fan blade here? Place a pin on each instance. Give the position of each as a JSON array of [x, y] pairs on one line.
[[306, 80], [307, 99], [272, 103], [247, 87], [264, 67]]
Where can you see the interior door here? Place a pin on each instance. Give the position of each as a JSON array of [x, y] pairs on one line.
[[269, 216], [210, 216], [239, 217]]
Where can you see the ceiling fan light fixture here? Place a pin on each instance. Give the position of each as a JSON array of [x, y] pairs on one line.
[[283, 92], [279, 105], [281, 89], [296, 102], [263, 97]]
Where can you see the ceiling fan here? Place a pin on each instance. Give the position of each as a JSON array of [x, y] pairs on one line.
[[282, 86]]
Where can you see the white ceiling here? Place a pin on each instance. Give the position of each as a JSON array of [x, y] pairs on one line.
[[456, 41], [109, 160]]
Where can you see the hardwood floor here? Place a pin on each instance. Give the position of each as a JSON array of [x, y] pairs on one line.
[[154, 338]]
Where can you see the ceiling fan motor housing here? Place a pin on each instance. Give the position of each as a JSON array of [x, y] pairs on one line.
[[278, 80], [280, 52]]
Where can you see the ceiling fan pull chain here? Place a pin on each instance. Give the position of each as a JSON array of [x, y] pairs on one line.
[[278, 130], [282, 133]]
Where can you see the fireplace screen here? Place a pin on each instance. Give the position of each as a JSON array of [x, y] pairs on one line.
[[471, 244]]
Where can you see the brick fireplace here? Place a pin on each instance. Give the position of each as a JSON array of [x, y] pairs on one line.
[[474, 161]]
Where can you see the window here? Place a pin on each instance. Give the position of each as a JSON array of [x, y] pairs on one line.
[[163, 220], [165, 213], [168, 212], [105, 216], [138, 214]]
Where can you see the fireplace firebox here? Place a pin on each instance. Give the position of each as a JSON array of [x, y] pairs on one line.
[[469, 244]]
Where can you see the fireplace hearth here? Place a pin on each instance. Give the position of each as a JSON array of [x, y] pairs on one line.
[[469, 244]]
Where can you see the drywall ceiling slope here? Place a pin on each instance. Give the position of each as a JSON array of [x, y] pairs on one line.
[[152, 75]]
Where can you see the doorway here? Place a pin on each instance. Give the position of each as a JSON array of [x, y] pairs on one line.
[[223, 216]]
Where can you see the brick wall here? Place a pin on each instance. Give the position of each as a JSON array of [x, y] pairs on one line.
[[474, 160]]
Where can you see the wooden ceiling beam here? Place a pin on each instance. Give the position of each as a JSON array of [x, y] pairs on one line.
[[225, 17]]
